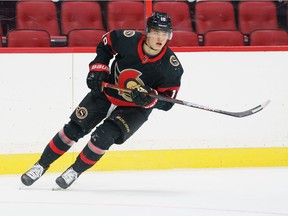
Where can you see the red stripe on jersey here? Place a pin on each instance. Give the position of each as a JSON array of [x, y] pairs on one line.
[[55, 149], [169, 92], [174, 88], [153, 102], [144, 58], [86, 160], [107, 41], [118, 102]]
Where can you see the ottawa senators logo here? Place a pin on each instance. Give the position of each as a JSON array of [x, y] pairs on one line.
[[81, 112], [128, 78], [129, 33]]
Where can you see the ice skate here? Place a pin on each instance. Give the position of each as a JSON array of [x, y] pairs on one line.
[[67, 178], [33, 174]]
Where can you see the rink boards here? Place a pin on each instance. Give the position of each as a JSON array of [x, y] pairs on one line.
[[39, 93]]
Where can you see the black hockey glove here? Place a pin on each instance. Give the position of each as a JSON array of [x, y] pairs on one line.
[[94, 81], [141, 98]]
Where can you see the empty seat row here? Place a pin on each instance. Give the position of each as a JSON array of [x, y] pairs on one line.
[[91, 37], [7, 11], [77, 14], [42, 38], [263, 37], [209, 15], [220, 15]]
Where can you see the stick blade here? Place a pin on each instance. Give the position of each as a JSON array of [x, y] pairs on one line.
[[265, 104], [250, 111]]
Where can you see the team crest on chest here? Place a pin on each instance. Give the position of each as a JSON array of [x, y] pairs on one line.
[[129, 33], [174, 61], [128, 78]]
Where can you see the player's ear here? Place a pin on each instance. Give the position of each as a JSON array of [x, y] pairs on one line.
[[146, 30], [170, 36]]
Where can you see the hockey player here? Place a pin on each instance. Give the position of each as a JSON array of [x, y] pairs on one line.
[[143, 63]]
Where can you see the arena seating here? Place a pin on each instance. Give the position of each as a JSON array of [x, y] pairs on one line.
[[256, 15], [268, 37], [184, 38], [125, 15], [179, 13], [28, 38], [85, 37], [76, 15], [212, 15], [37, 15], [223, 38], [215, 23]]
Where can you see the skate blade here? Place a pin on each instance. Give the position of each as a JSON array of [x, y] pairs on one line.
[[57, 188], [22, 187]]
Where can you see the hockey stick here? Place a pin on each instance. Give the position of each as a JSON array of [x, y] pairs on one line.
[[189, 104]]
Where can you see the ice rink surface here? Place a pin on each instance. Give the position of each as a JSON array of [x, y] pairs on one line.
[[187, 192]]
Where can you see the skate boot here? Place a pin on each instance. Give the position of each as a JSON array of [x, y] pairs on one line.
[[67, 178], [33, 174]]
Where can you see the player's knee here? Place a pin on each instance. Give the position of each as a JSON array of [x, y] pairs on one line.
[[74, 131], [128, 121], [105, 135]]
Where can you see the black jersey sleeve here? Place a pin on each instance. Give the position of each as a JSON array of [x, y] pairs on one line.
[[110, 45], [170, 93], [105, 51], [171, 82], [163, 105]]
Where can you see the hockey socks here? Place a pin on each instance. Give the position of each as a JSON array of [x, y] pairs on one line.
[[56, 148], [88, 157]]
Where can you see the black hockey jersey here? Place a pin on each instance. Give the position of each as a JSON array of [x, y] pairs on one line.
[[132, 67]]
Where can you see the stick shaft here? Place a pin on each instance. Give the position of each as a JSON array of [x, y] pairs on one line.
[[193, 105]]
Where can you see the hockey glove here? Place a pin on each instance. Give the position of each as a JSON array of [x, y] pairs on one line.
[[97, 74], [141, 98], [94, 81]]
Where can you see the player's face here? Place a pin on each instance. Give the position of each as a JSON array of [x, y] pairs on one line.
[[157, 39]]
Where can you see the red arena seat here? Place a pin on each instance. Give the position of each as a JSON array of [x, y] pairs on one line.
[[268, 37], [37, 15], [179, 13], [214, 16], [78, 14], [223, 38], [85, 37], [28, 38], [256, 15], [184, 38], [125, 15]]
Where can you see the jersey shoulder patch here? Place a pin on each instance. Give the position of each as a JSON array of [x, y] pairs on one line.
[[128, 33], [174, 61]]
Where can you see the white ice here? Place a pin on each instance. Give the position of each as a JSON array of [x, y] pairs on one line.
[[187, 192]]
